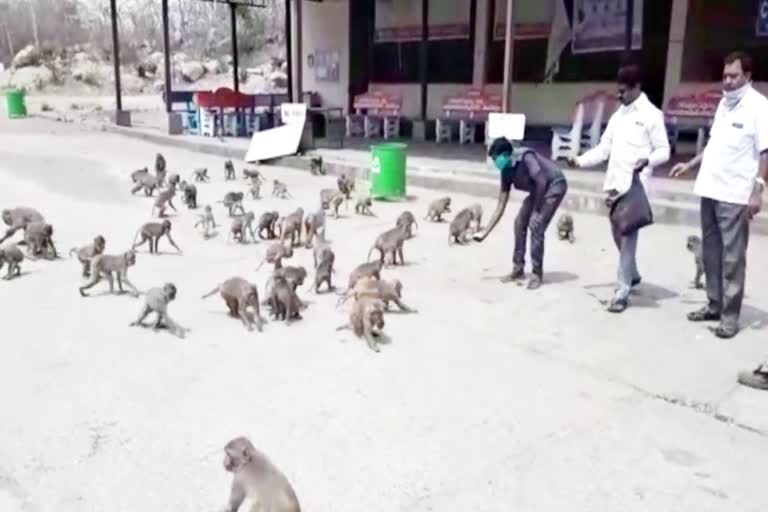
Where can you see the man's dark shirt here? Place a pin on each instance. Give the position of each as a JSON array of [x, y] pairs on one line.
[[521, 177]]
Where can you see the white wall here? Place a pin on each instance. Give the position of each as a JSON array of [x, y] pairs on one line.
[[326, 27]]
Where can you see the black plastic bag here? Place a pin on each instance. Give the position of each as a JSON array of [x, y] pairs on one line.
[[632, 211]]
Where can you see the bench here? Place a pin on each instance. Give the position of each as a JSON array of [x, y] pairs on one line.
[[377, 114], [468, 109]]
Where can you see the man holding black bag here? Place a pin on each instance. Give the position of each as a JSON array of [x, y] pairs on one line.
[[635, 141]]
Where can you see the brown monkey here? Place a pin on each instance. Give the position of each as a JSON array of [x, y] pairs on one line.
[[229, 171], [316, 166], [174, 179], [164, 199], [324, 259], [363, 207], [280, 189], [189, 192], [157, 300], [239, 295], [255, 477], [255, 189], [460, 227], [242, 225], [314, 225], [18, 218], [201, 175], [366, 320], [477, 215], [103, 265], [292, 227], [13, 256], [152, 232], [406, 221], [268, 223], [283, 300], [370, 269], [147, 182], [38, 237], [137, 174], [86, 253], [390, 242], [207, 221], [386, 291], [233, 201], [693, 244], [438, 208], [326, 196], [336, 202], [252, 174], [275, 254], [346, 185], [565, 228], [295, 275], [160, 169]]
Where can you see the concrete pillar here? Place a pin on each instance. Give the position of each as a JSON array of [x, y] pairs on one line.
[[677, 27], [298, 52], [509, 54], [482, 24]]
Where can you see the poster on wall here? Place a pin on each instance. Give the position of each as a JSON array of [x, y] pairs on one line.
[[598, 25], [762, 18], [399, 21], [325, 64], [532, 19]]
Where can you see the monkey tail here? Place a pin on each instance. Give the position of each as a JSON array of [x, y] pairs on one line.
[[370, 252], [212, 292], [136, 237], [261, 264]]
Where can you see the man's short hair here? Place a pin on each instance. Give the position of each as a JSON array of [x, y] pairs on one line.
[[499, 146], [743, 58], [630, 75]]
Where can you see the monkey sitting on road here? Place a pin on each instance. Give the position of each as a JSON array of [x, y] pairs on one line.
[[275, 254], [157, 300], [152, 232], [693, 244], [477, 216], [316, 166], [390, 242], [38, 237], [242, 225], [367, 321], [256, 478], [324, 259], [189, 192], [565, 228], [86, 253], [363, 206], [239, 295], [13, 256], [18, 218], [164, 199], [283, 300], [405, 221], [207, 221], [438, 208], [280, 189], [104, 265], [460, 227], [229, 171], [201, 175], [160, 169]]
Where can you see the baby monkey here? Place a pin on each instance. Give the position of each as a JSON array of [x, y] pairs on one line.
[[86, 253], [565, 228], [157, 300], [693, 244], [207, 221]]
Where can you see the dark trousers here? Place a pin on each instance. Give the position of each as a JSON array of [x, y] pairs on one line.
[[552, 199], [725, 235]]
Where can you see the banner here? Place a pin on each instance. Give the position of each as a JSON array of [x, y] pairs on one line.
[[559, 38], [400, 20], [532, 19], [762, 18], [598, 25]]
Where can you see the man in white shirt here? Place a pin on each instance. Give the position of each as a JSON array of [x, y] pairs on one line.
[[635, 141], [734, 167]]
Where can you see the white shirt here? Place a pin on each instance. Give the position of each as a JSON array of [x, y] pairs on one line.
[[634, 132], [738, 136]]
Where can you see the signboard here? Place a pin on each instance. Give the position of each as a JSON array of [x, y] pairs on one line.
[[599, 25], [532, 19], [694, 103], [275, 142], [400, 20], [293, 113], [326, 65], [378, 102], [762, 18], [511, 126], [472, 103]]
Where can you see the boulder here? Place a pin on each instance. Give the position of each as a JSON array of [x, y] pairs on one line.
[[156, 58], [31, 78], [132, 84], [212, 67], [81, 57], [88, 73], [278, 79], [192, 71], [27, 56]]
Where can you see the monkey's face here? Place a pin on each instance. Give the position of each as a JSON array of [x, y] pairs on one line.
[[376, 318], [130, 258], [234, 460], [693, 243], [48, 230], [170, 291], [99, 243], [252, 299], [7, 217], [166, 225]]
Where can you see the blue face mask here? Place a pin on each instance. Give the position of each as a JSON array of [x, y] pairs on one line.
[[502, 161]]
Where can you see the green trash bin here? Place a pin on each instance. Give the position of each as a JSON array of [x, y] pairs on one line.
[[17, 106], [388, 171]]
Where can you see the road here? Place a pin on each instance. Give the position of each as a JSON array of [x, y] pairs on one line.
[[492, 398]]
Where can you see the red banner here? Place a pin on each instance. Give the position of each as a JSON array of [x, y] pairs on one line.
[[472, 103]]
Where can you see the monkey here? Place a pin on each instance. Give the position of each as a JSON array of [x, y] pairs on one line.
[[406, 221], [147, 182], [346, 185], [157, 300], [693, 244], [316, 166], [369, 269], [201, 175], [233, 201], [366, 320], [565, 228], [255, 477], [314, 225], [39, 241], [283, 300], [207, 221], [292, 227], [190, 194], [174, 179], [336, 202], [152, 232], [326, 196], [242, 225], [280, 189], [239, 295], [252, 174], [160, 169], [324, 258], [363, 206], [86, 253], [18, 218], [268, 222], [103, 265], [477, 215], [460, 227], [294, 275], [386, 291], [229, 171], [275, 254], [437, 208], [13, 256], [390, 242], [164, 199], [137, 174], [255, 189]]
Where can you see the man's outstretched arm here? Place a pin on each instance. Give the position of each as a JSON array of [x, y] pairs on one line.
[[501, 205]]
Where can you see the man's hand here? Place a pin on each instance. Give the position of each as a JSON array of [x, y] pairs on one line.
[[679, 169], [572, 162], [641, 164], [479, 236], [755, 202]]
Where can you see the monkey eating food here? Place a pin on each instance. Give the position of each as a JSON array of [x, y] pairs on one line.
[[460, 227]]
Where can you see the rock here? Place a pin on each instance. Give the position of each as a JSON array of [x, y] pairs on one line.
[[212, 67], [88, 73], [179, 58], [156, 58], [158, 86], [31, 78], [278, 79], [192, 71], [81, 57], [132, 84], [27, 56]]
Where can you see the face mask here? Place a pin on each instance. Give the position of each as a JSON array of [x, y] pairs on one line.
[[733, 97], [502, 161]]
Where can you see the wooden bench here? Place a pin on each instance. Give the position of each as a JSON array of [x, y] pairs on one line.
[[694, 112]]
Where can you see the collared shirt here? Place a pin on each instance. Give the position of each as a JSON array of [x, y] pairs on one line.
[[634, 132], [729, 165]]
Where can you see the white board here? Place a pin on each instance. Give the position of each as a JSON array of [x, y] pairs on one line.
[[275, 142], [511, 126], [291, 113]]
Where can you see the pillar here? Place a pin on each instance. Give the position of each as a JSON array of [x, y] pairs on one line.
[[483, 23], [509, 54], [677, 26], [298, 52]]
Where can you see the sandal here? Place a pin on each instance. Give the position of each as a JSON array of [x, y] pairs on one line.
[[516, 275], [703, 315], [725, 332], [617, 306], [756, 379]]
